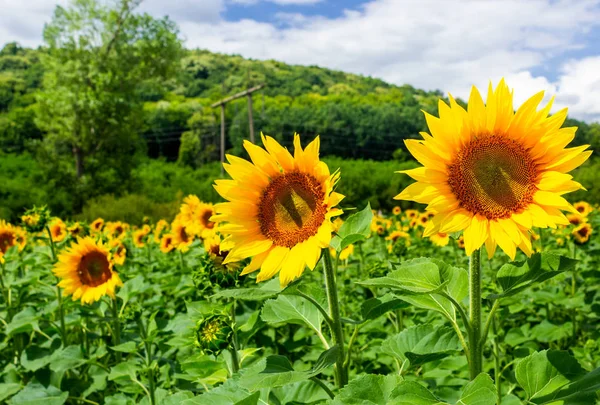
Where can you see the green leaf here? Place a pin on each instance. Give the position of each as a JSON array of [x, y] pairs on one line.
[[517, 276], [35, 393], [66, 359], [34, 357], [24, 321], [543, 373], [230, 392], [99, 376], [278, 371], [480, 391], [548, 332], [128, 347], [264, 291], [421, 282], [418, 345], [375, 307], [357, 227], [412, 393], [177, 398], [368, 389], [124, 372], [292, 309], [8, 389]]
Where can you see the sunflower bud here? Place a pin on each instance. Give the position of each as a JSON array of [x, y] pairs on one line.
[[36, 219], [213, 334]]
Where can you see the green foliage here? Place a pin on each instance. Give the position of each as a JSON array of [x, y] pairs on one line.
[[131, 208]]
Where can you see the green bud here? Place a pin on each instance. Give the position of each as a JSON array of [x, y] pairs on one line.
[[213, 334]]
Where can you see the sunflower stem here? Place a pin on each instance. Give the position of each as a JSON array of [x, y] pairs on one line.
[[235, 361], [475, 343], [334, 312], [148, 349], [61, 312], [116, 327]]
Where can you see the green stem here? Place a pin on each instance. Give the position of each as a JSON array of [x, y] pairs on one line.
[[323, 386], [573, 292], [475, 344], [235, 361], [181, 261], [61, 311], [497, 370], [116, 327], [334, 312], [148, 349]]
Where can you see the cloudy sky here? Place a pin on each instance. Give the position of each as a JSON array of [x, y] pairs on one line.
[[551, 45]]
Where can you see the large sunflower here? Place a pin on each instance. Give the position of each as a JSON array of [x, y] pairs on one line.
[[279, 208], [494, 173], [86, 270]]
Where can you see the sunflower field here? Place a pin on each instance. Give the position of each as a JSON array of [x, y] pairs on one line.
[[485, 291]]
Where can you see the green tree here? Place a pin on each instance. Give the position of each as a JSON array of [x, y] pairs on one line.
[[100, 57]]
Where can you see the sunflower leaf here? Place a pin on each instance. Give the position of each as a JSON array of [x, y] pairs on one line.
[[517, 276], [356, 228]]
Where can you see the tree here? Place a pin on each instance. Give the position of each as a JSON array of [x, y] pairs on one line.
[[99, 59]]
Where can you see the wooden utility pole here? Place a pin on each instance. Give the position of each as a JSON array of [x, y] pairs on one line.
[[221, 103]]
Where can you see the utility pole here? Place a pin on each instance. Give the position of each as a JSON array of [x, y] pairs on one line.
[[221, 103]]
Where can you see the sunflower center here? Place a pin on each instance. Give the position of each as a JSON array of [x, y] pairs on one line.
[[493, 176], [291, 209], [94, 269], [206, 219], [583, 232], [7, 239]]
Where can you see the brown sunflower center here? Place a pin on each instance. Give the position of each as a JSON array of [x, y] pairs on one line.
[[206, 219], [583, 231], [7, 239], [94, 269], [493, 176], [183, 236], [291, 209]]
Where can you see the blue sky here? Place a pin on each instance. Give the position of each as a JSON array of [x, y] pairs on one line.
[[450, 45]]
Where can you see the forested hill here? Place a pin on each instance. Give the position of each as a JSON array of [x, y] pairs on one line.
[[357, 116]]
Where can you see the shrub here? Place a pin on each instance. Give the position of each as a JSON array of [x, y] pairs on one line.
[[131, 208]]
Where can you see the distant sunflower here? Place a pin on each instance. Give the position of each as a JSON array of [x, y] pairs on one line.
[[494, 173], [576, 219], [167, 243], [279, 208], [58, 230], [182, 237], [8, 236], [86, 270], [344, 254], [411, 214], [161, 227], [76, 230], [583, 208], [115, 230], [218, 251], [97, 225], [139, 238], [396, 210], [582, 233], [119, 251], [196, 215], [394, 236]]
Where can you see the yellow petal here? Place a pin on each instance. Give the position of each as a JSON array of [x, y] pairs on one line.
[[272, 264]]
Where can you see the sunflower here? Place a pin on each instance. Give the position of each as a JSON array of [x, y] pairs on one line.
[[583, 208], [97, 225], [196, 215], [396, 210], [139, 238], [494, 173], [58, 230], [440, 239], [31, 219], [119, 251], [279, 208], [86, 270], [8, 236], [218, 251], [166, 243], [576, 219], [76, 230], [582, 233], [182, 237], [423, 219], [115, 230], [394, 236], [411, 214], [159, 229]]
